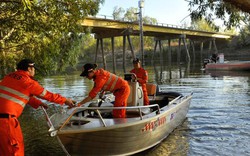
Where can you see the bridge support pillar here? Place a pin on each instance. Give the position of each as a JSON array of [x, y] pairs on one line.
[[179, 52], [103, 56], [169, 52], [201, 51], [131, 47], [169, 58], [193, 48], [156, 42], [97, 49], [183, 38], [124, 54], [215, 47], [113, 54], [160, 48]]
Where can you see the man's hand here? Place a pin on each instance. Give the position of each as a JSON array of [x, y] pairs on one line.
[[79, 105], [70, 103], [44, 105], [133, 77]]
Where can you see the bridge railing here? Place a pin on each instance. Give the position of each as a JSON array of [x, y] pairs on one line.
[[157, 24]]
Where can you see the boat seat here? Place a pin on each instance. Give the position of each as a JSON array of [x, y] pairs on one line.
[[136, 95], [151, 89]]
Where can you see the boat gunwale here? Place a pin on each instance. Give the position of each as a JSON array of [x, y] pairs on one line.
[[163, 111]]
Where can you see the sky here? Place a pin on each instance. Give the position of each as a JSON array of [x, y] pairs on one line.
[[165, 11]]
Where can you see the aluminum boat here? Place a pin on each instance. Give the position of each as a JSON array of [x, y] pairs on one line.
[[91, 129]]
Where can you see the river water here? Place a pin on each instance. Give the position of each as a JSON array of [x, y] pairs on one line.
[[217, 123]]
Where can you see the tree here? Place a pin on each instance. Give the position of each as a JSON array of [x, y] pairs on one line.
[[149, 20], [212, 9], [118, 13], [42, 30], [202, 25], [131, 14]]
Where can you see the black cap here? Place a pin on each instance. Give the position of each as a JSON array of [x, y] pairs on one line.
[[87, 68], [136, 60], [24, 64]]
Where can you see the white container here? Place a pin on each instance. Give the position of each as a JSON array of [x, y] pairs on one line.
[[221, 58]]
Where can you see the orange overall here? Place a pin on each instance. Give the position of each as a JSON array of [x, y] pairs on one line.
[[16, 90], [107, 81], [143, 75]]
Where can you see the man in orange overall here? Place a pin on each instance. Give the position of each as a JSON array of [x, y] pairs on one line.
[[142, 78], [106, 81], [16, 90]]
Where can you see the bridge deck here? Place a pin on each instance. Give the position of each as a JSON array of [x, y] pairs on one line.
[[111, 28]]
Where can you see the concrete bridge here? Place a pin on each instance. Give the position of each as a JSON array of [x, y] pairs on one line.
[[109, 28]]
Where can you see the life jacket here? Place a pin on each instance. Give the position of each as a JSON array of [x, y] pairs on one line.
[[106, 81], [18, 88], [110, 84], [141, 73]]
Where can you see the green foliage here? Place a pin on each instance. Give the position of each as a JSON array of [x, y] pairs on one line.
[[210, 10], [131, 14], [203, 25], [243, 39], [45, 31], [118, 13], [149, 20]]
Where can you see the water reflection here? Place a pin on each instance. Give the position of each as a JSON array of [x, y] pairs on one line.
[[176, 144], [163, 74]]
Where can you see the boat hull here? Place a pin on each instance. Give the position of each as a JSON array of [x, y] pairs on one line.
[[235, 66], [127, 138]]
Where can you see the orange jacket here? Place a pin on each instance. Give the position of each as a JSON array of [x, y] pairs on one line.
[[106, 81], [141, 73], [18, 89]]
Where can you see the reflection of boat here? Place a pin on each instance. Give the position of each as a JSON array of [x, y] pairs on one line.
[[91, 131], [232, 65]]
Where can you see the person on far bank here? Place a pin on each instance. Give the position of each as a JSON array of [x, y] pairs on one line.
[[106, 81], [142, 78], [18, 89]]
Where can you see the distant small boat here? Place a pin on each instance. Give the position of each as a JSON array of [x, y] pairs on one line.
[[231, 65], [216, 62], [90, 130]]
